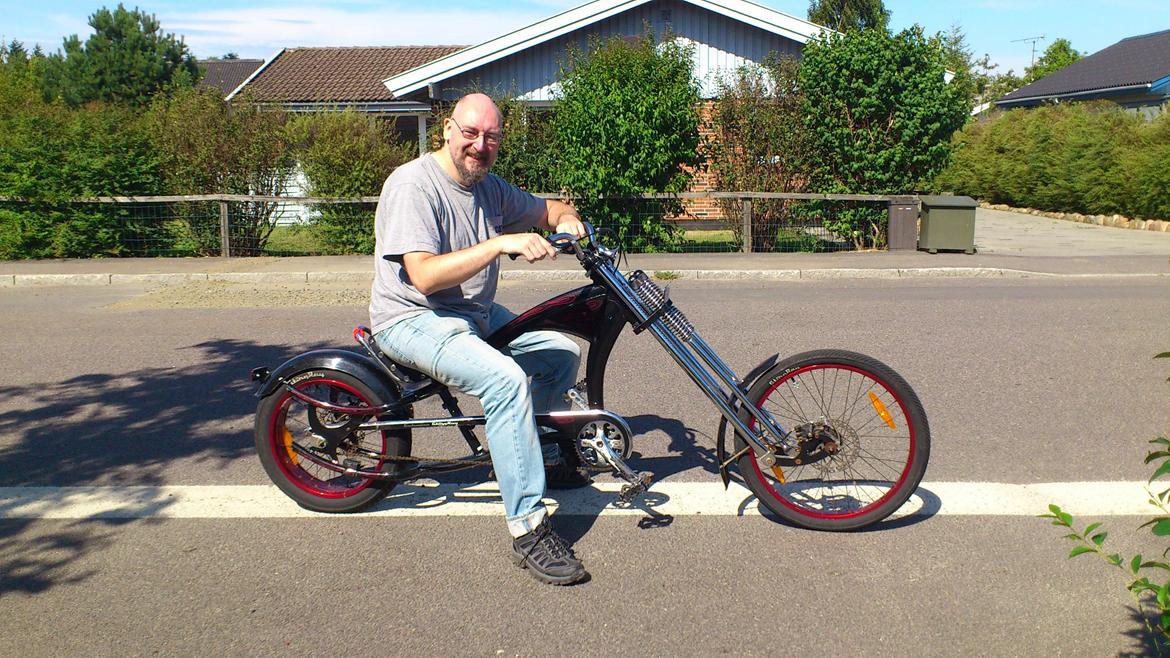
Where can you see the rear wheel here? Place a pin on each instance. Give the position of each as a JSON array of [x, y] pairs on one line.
[[282, 420], [857, 440]]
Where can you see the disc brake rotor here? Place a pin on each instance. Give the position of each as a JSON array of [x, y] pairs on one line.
[[848, 446]]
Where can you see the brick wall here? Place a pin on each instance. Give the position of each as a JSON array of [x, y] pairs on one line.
[[703, 181]]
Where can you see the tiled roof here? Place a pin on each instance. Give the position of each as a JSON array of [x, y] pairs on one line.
[[226, 74], [1137, 60], [324, 75]]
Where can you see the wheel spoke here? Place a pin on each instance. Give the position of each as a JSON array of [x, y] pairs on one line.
[[868, 461]]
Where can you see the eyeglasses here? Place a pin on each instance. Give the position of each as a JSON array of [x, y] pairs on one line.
[[472, 134]]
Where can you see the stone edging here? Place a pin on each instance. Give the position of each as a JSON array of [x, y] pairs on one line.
[[31, 280], [1116, 221]]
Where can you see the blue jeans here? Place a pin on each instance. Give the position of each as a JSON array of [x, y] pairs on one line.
[[450, 349]]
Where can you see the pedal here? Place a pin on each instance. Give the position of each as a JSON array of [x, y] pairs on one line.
[[640, 484]]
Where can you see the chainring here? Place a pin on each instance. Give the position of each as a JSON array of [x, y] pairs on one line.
[[620, 442]]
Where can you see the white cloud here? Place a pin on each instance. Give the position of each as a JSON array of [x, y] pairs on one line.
[[261, 33]]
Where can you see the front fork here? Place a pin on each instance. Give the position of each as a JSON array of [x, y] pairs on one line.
[[652, 309]]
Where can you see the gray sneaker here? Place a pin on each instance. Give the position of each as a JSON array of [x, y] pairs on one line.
[[547, 556]]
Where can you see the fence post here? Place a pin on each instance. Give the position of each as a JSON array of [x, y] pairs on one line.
[[902, 228], [747, 226], [225, 237]]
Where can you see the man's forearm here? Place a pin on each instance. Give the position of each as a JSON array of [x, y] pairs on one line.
[[430, 273], [557, 212]]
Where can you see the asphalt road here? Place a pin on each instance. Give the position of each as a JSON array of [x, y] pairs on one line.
[[1024, 381]]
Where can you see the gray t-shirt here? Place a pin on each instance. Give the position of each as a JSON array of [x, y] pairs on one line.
[[423, 209]]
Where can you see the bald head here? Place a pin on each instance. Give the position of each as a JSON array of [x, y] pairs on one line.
[[476, 106]]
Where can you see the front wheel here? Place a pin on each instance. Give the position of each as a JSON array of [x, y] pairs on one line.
[[282, 420], [857, 440]]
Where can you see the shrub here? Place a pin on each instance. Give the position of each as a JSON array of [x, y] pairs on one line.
[[50, 153], [1090, 158], [347, 155], [759, 145], [627, 123], [881, 117], [209, 147]]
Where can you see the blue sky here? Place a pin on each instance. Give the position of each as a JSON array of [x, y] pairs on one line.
[[260, 28]]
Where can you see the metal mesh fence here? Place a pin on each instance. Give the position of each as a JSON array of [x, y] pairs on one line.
[[279, 226]]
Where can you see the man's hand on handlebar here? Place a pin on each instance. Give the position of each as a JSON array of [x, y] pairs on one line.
[[570, 223], [531, 246]]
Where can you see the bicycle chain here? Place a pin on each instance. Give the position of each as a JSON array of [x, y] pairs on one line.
[[468, 462]]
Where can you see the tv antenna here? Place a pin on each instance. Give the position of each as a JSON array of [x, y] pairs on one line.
[[1033, 40]]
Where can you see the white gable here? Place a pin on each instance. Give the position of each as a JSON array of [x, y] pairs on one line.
[[726, 34]]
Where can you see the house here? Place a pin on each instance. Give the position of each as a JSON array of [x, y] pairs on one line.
[[1134, 73], [408, 81], [309, 79], [226, 74]]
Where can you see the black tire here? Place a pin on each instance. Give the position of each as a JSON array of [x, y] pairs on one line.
[[282, 418], [879, 462]]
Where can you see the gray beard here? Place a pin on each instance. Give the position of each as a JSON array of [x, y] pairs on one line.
[[467, 177]]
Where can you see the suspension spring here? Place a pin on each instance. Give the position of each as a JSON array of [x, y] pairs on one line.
[[653, 298]]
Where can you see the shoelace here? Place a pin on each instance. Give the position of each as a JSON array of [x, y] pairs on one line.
[[554, 544]]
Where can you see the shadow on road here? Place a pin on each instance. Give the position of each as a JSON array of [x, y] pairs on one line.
[[115, 429], [125, 428], [1146, 642]]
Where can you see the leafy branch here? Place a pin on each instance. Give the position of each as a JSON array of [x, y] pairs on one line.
[[1148, 580]]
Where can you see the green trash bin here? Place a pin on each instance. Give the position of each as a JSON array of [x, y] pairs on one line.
[[948, 223]]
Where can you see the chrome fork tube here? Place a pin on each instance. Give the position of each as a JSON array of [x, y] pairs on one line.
[[712, 359], [702, 377]]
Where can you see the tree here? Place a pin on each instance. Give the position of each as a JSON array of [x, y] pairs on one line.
[[627, 122], [347, 155], [880, 115], [126, 60], [845, 15], [1057, 56], [959, 59], [209, 147], [760, 145]]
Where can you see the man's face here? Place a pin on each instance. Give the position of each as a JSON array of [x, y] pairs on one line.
[[473, 141]]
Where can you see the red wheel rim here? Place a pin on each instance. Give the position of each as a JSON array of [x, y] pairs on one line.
[[291, 469], [898, 483]]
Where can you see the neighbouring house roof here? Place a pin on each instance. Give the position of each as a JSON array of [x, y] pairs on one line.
[[342, 76], [1139, 64], [226, 74], [409, 81]]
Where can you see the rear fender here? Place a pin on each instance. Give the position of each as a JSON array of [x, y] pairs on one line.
[[351, 363]]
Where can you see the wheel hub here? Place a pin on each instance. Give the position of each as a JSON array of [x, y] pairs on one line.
[[830, 446]]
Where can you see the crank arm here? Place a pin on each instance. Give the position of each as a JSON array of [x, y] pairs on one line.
[[637, 481]]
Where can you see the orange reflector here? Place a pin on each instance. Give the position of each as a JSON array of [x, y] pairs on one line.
[[778, 473], [288, 446], [881, 410]]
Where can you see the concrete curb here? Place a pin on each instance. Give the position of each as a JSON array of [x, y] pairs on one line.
[[175, 278]]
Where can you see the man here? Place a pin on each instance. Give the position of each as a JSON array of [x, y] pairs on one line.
[[441, 225]]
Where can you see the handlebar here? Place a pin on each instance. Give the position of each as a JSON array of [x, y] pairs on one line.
[[567, 243]]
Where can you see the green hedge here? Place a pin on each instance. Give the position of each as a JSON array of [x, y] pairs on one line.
[[1093, 159]]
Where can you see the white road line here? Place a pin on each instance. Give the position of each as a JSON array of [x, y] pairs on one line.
[[673, 498]]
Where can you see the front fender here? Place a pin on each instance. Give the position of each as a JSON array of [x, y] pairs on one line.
[[721, 441], [351, 363]]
